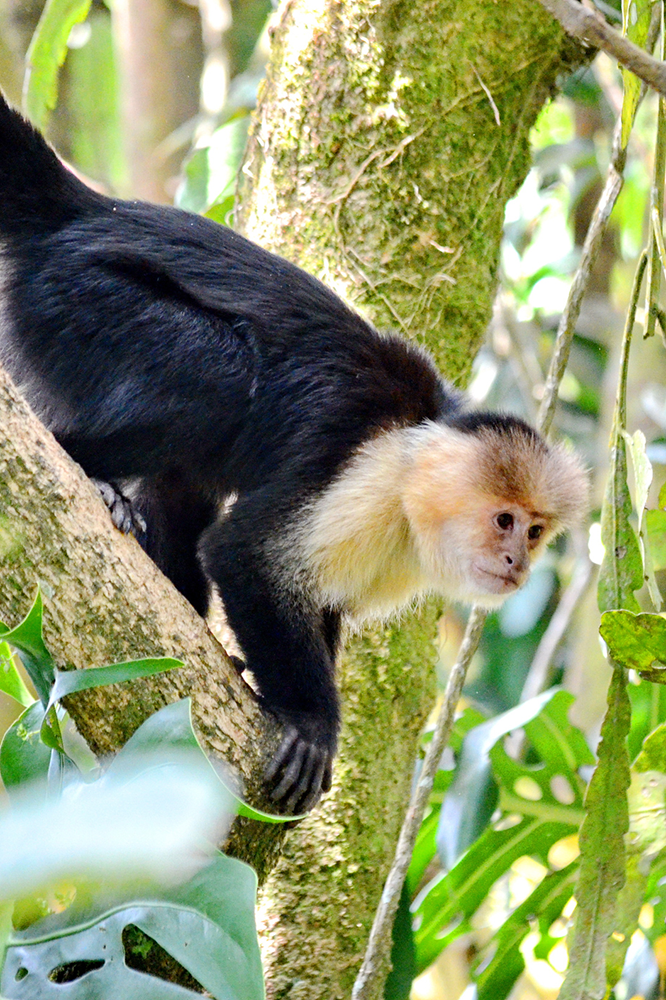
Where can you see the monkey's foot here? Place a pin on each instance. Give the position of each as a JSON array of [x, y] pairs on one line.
[[124, 516], [302, 769]]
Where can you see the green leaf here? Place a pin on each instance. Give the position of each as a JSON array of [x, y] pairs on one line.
[[653, 752], [170, 730], [27, 638], [527, 826], [224, 893], [207, 925], [444, 909], [23, 755], [635, 24], [642, 468], [621, 571], [70, 681], [148, 822], [647, 811], [398, 985], [46, 55], [647, 837], [11, 682], [602, 866], [637, 642], [655, 525]]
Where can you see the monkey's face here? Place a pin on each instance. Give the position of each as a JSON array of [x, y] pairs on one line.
[[483, 552], [504, 540]]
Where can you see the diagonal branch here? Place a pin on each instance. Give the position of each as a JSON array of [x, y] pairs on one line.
[[589, 27]]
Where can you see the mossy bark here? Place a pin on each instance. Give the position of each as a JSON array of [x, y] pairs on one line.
[[387, 140]]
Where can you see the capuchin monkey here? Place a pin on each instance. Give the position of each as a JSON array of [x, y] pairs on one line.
[[258, 435]]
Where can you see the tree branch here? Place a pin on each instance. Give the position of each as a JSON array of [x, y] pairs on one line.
[[589, 27]]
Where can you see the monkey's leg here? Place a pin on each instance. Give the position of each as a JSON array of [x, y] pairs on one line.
[[175, 514], [288, 644]]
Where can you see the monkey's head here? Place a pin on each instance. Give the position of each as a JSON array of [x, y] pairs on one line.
[[483, 498]]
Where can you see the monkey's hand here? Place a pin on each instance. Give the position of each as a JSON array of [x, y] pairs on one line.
[[301, 769], [123, 514]]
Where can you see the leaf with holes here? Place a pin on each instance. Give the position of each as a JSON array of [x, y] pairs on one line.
[[207, 925]]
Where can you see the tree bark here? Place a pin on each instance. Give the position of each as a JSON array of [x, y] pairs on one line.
[[387, 140]]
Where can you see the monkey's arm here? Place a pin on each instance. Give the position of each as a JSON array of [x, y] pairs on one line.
[[289, 646]]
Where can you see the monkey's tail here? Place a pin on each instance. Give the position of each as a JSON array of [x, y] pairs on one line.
[[37, 193]]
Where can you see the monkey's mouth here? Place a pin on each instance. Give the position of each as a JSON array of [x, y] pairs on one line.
[[498, 583]]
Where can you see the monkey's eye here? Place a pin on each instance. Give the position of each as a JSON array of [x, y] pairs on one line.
[[504, 521], [535, 531]]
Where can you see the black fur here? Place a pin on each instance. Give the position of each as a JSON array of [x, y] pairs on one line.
[[176, 359]]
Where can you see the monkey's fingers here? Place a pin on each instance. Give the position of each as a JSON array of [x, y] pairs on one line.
[[323, 765], [282, 754], [292, 771], [308, 786], [327, 779], [124, 516]]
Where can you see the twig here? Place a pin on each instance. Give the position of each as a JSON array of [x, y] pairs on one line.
[[567, 325], [589, 27]]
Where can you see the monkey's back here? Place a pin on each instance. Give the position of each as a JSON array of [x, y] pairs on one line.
[[145, 335]]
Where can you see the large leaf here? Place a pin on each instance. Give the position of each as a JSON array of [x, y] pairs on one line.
[[444, 909], [170, 730], [544, 904], [27, 638], [207, 925], [148, 822], [46, 55], [527, 826], [425, 848]]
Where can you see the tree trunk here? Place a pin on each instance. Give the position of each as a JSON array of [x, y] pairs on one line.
[[387, 141]]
